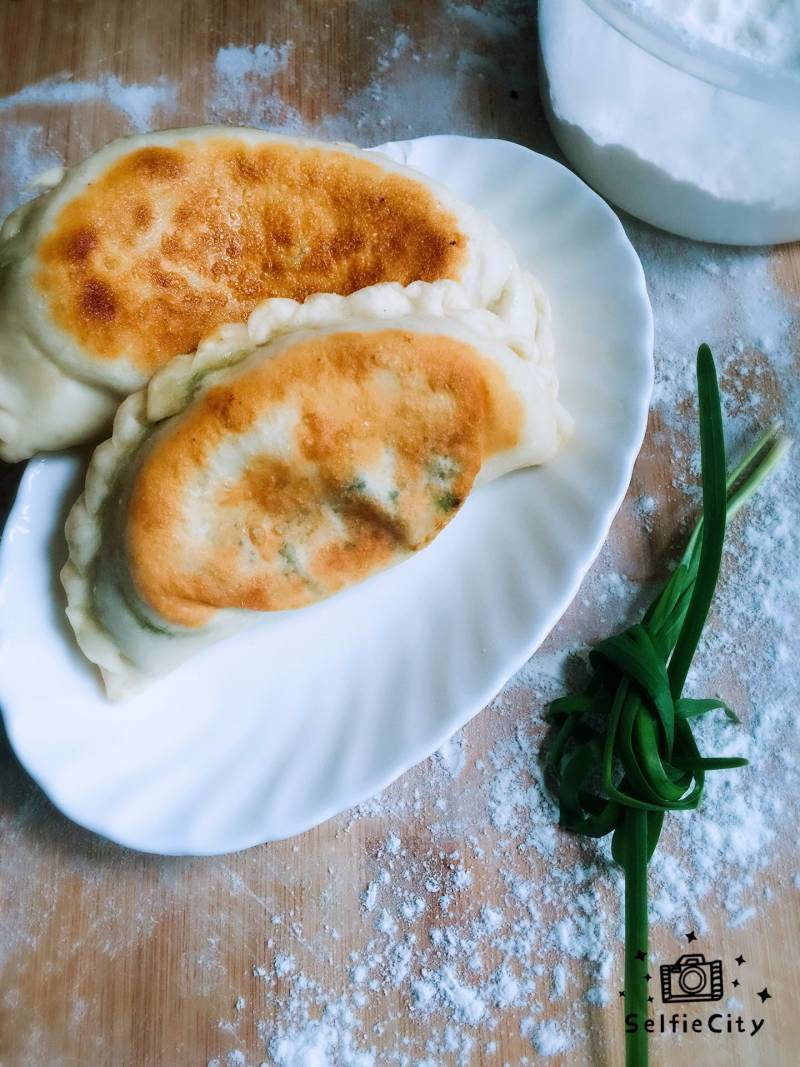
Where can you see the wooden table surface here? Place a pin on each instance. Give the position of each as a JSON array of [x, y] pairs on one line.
[[114, 958]]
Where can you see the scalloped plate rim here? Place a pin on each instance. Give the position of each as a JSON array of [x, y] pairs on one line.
[[509, 665]]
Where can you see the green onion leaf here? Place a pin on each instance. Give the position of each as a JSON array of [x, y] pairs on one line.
[[624, 753]]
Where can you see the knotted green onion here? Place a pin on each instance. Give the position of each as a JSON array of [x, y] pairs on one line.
[[624, 753]]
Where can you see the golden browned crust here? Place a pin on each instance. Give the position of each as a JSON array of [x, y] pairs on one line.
[[171, 242], [294, 525]]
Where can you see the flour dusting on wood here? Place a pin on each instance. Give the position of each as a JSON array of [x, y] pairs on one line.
[[470, 908]]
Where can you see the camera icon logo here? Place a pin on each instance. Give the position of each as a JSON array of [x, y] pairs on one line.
[[691, 978]]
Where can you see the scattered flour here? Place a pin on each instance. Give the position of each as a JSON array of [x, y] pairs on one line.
[[549, 1039], [139, 103], [25, 155], [284, 964], [234, 64], [768, 30], [451, 756], [244, 91]]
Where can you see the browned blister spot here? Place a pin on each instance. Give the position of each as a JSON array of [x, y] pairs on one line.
[[158, 163], [78, 244], [143, 216], [186, 238], [286, 527], [97, 301]]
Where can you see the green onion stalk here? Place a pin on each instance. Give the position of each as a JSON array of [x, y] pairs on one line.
[[623, 752]]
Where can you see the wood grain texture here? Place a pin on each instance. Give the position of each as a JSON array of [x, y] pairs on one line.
[[126, 960]]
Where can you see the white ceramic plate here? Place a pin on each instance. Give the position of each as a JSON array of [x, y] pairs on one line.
[[306, 714]]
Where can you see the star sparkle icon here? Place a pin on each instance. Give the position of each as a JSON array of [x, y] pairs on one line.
[[647, 977], [641, 956], [765, 994], [740, 959], [735, 983], [691, 936], [622, 992]]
